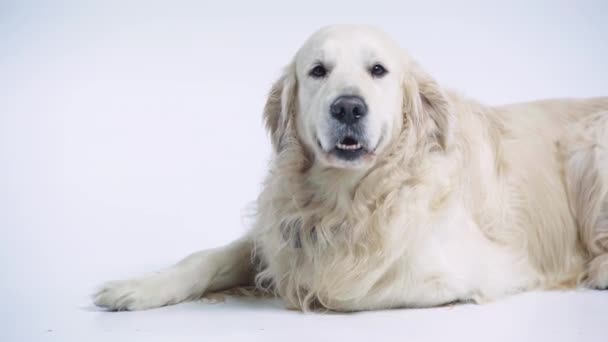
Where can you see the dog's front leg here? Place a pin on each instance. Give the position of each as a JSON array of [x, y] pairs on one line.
[[202, 272]]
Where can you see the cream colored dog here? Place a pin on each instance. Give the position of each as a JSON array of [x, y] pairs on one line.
[[386, 190]]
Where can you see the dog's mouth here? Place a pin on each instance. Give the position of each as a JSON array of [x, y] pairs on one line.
[[349, 148], [348, 144]]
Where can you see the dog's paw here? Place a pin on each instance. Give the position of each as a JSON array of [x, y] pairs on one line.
[[597, 273], [134, 294]]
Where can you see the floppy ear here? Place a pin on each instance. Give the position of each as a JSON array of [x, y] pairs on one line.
[[280, 107], [424, 101]]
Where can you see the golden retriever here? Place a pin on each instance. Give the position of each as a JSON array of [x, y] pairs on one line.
[[386, 190]]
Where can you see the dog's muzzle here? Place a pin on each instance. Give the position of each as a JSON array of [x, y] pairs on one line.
[[349, 142]]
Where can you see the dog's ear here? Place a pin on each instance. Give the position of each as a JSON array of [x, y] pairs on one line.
[[428, 105], [280, 107]]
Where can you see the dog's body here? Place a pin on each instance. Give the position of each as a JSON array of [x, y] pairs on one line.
[[419, 200]]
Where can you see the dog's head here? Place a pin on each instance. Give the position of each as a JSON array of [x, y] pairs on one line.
[[349, 94]]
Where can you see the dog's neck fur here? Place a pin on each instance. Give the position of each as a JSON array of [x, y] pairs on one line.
[[344, 193]]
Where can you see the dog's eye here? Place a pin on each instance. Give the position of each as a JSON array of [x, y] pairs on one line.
[[378, 70], [318, 71]]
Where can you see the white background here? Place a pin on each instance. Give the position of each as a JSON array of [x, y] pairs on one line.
[[131, 135]]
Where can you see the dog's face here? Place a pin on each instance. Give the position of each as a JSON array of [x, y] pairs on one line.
[[349, 95], [345, 96]]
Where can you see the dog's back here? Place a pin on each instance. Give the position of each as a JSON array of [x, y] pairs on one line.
[[551, 162]]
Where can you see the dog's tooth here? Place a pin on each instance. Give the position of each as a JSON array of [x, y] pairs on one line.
[[348, 147]]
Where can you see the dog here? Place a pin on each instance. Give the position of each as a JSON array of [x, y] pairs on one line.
[[386, 190]]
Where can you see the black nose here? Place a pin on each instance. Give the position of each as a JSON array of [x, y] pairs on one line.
[[348, 109]]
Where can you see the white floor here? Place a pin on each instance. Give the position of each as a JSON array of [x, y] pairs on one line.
[[571, 316], [131, 135]]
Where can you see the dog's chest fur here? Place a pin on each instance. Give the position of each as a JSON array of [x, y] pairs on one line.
[[405, 242]]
